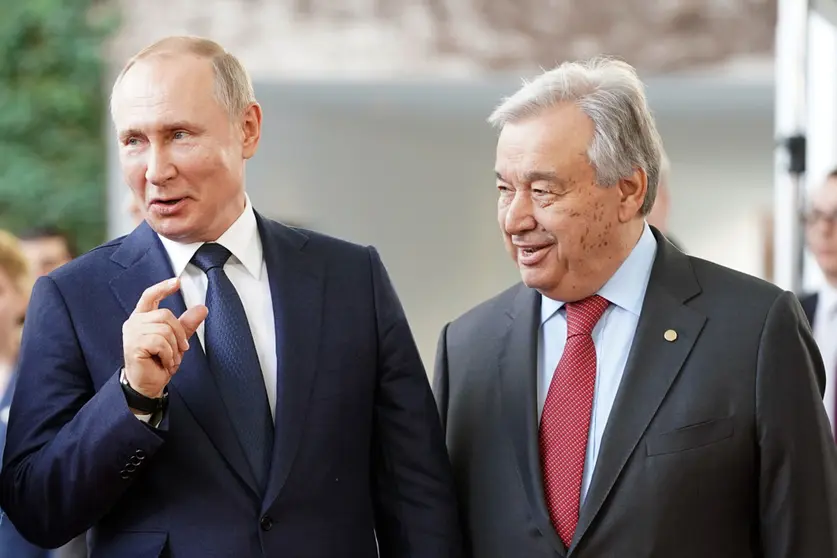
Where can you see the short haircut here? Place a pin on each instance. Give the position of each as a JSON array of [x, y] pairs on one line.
[[611, 94], [233, 87]]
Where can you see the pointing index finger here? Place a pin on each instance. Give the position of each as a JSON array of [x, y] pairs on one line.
[[151, 297]]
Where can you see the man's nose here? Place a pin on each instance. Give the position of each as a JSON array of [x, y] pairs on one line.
[[519, 217], [159, 168]]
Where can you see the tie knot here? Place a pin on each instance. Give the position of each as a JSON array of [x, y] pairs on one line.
[[583, 315], [210, 255]]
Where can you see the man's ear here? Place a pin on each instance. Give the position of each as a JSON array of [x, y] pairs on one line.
[[251, 128]]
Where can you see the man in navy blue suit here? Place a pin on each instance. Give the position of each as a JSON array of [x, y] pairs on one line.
[[216, 383]]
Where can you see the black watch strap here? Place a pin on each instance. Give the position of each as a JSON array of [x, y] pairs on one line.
[[140, 402]]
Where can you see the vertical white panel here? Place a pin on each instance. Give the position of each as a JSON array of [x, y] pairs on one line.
[[822, 116], [790, 119]]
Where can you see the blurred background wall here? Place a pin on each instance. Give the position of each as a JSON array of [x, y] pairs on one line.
[[408, 167], [375, 119]]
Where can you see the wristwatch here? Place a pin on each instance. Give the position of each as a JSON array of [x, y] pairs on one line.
[[140, 402]]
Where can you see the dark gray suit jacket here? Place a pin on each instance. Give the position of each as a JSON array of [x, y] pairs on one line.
[[809, 304], [717, 445]]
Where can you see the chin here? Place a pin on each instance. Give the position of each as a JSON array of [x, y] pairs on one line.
[[173, 229], [549, 282], [533, 278]]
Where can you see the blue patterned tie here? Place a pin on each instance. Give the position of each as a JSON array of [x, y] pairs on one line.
[[233, 360]]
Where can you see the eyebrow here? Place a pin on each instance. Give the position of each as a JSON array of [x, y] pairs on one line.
[[179, 125], [536, 176]]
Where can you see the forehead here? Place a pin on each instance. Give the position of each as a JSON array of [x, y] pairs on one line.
[[826, 196], [553, 138], [164, 87], [47, 243]]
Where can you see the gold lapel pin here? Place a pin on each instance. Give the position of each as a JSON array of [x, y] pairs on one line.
[[670, 335]]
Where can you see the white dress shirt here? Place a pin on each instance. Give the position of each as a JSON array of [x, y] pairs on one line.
[[825, 333], [612, 336], [247, 272]]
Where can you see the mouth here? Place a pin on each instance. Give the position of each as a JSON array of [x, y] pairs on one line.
[[166, 206], [531, 255], [168, 201]]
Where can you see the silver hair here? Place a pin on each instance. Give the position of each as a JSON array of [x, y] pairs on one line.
[[610, 92]]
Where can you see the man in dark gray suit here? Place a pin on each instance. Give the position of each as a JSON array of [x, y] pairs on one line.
[[625, 399]]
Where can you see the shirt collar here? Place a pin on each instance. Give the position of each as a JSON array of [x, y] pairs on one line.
[[241, 239], [626, 288]]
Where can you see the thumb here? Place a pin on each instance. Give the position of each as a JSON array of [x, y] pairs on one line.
[[192, 318]]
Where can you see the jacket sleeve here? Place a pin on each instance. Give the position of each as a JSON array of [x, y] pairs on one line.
[[71, 451], [414, 496], [798, 457]]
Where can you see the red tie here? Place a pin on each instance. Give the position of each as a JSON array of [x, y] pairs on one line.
[[565, 421]]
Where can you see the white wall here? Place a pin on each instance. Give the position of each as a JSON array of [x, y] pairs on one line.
[[722, 183], [409, 168]]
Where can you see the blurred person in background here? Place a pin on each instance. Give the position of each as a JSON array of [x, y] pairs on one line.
[[820, 220], [15, 283], [625, 399], [216, 383], [47, 248], [659, 215]]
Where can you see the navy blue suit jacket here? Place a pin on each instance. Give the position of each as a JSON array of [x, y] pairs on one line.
[[359, 458]]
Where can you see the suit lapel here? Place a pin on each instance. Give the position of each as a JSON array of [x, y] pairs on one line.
[[653, 365], [146, 263], [518, 386], [296, 287]]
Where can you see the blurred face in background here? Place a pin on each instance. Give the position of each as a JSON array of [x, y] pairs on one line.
[[566, 233], [181, 154], [13, 301], [15, 285], [46, 254], [821, 228]]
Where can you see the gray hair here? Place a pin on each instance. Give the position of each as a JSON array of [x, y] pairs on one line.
[[233, 86], [612, 95]]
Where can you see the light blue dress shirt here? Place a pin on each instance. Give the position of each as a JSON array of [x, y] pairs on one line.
[[615, 331]]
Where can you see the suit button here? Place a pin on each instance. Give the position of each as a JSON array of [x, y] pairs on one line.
[[140, 454], [135, 461], [266, 523], [124, 474]]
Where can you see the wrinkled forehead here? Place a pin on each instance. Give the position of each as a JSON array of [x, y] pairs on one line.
[[550, 140], [162, 86]]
